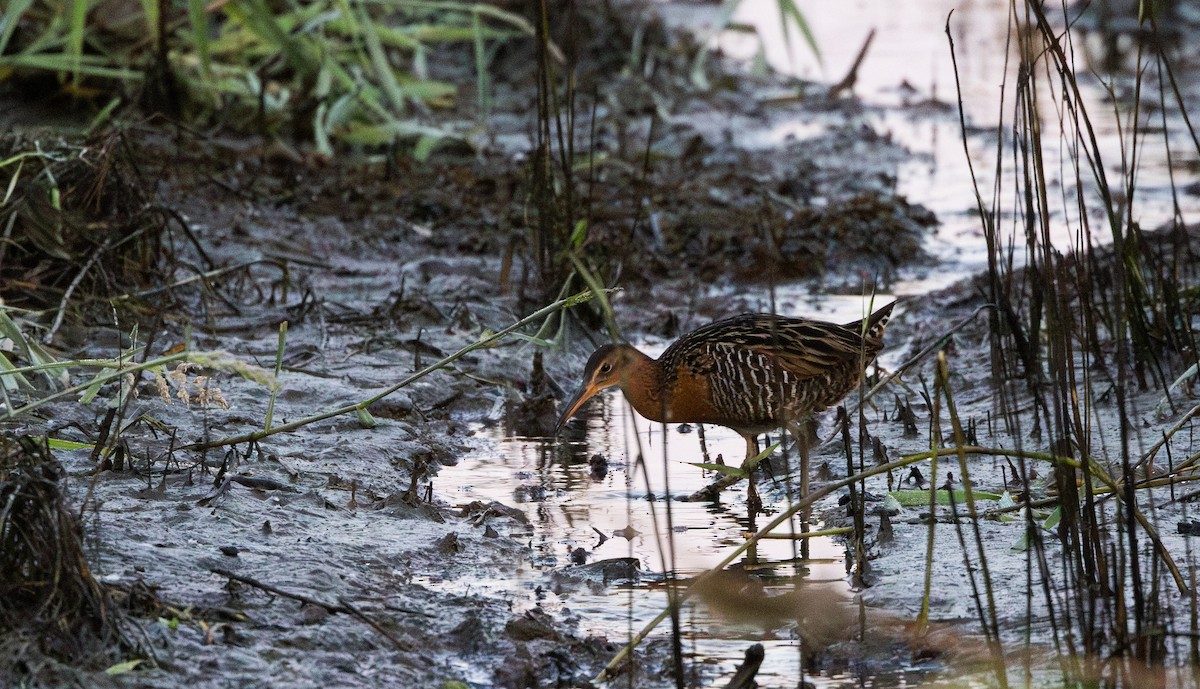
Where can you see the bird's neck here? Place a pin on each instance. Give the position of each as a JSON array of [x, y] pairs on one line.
[[643, 386]]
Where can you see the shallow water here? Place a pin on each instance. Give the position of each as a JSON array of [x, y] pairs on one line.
[[615, 515], [908, 69]]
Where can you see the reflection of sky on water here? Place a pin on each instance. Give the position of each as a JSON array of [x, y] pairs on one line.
[[908, 64], [566, 506]]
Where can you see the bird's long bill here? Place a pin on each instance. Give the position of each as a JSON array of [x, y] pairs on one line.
[[585, 392]]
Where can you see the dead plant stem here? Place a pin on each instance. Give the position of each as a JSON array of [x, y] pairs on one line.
[[364, 404], [99, 380]]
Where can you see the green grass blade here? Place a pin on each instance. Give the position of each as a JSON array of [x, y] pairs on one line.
[[58, 444], [790, 14], [279, 349], [9, 19], [379, 61], [425, 147], [103, 117], [87, 65], [150, 12], [915, 498], [266, 25], [736, 472], [12, 185], [78, 20], [8, 330], [8, 379], [198, 19]]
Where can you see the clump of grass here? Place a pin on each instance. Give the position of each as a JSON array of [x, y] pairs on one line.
[[52, 610], [1076, 324], [328, 71], [77, 224]]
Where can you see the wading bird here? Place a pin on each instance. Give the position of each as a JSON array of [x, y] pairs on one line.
[[752, 373]]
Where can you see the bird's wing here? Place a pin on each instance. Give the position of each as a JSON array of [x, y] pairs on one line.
[[809, 349], [803, 347]]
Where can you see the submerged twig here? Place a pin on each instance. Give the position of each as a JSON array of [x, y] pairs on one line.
[[341, 606]]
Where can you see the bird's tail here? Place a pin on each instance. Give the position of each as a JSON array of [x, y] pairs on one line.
[[875, 324]]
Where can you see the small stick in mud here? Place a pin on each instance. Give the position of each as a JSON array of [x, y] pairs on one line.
[[744, 678], [848, 81], [342, 606]]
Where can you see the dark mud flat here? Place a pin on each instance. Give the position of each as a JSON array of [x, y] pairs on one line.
[[337, 553]]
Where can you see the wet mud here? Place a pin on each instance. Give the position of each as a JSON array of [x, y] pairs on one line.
[[441, 542]]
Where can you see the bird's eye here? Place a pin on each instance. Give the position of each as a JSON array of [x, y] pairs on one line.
[[605, 367]]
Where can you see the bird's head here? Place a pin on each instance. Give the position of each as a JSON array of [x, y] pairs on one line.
[[608, 366]]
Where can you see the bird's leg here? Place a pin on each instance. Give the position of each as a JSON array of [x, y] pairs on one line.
[[799, 432], [753, 502], [751, 449]]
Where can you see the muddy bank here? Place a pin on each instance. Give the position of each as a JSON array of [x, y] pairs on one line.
[[343, 552]]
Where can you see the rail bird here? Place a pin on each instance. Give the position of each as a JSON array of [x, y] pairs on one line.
[[752, 373]]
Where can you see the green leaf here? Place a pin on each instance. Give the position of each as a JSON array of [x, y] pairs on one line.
[[150, 12], [171, 623], [75, 37], [58, 444], [87, 65], [365, 419], [1054, 518], [541, 342], [379, 60], [122, 668], [11, 381], [1006, 501], [9, 19], [789, 10], [10, 331], [749, 464], [580, 233], [263, 22], [914, 498], [726, 469], [199, 25], [89, 393], [425, 146], [389, 132], [1022, 543], [103, 117]]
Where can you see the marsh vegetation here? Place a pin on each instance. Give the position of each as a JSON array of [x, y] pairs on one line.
[[289, 293]]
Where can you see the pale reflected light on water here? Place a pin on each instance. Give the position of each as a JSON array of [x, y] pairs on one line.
[[908, 70]]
